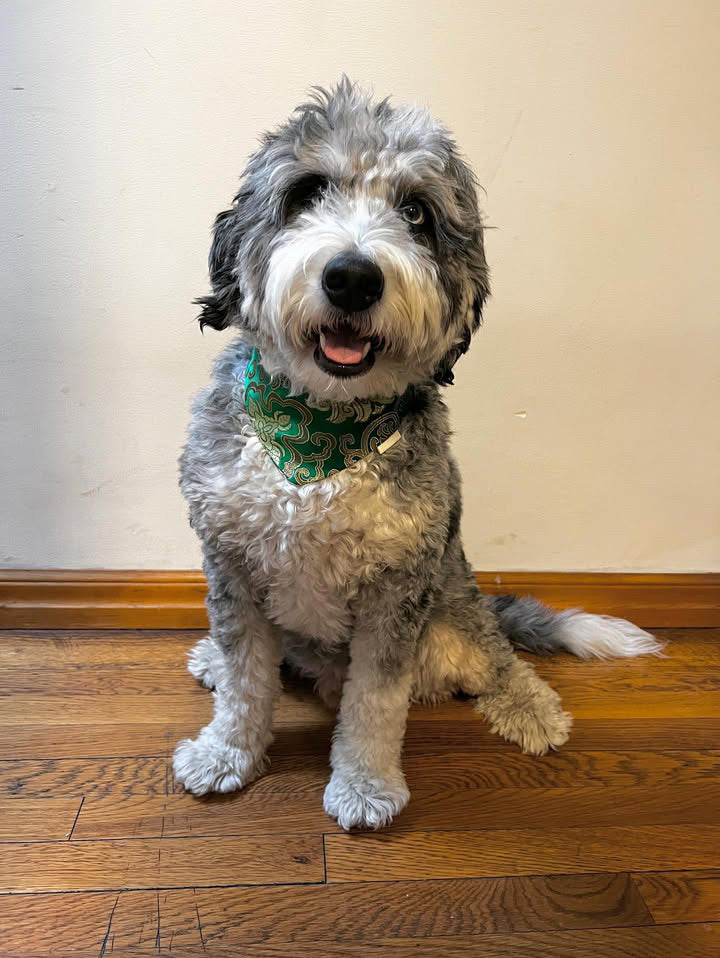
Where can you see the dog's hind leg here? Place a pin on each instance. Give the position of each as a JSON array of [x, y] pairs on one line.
[[520, 706], [205, 662], [465, 650]]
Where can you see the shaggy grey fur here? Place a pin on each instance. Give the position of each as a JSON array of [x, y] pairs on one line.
[[360, 580]]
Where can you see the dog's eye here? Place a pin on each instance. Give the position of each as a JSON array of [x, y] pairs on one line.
[[413, 213], [303, 193]]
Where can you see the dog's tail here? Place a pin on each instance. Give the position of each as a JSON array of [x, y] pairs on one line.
[[533, 626]]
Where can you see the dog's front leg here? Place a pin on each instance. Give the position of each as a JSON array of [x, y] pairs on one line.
[[367, 787], [230, 751]]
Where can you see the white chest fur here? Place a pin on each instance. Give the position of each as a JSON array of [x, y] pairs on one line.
[[311, 547]]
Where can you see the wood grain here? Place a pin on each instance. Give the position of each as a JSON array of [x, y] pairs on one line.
[[402, 910], [78, 925], [241, 813], [452, 809], [521, 851], [63, 648], [426, 737], [290, 771], [256, 812], [499, 853], [229, 920], [430, 735], [66, 739], [135, 599], [85, 599], [563, 769], [681, 896], [669, 941], [162, 863], [651, 600], [46, 778], [41, 819]]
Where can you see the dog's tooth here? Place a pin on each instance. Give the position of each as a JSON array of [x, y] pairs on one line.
[[323, 341], [366, 349]]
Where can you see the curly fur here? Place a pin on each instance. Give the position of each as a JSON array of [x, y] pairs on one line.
[[358, 580]]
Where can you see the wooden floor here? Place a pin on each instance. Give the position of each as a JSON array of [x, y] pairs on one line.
[[611, 847]]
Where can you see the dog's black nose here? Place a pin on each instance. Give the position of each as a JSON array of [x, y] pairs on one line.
[[352, 282]]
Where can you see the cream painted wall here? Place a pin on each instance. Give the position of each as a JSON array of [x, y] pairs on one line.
[[586, 416]]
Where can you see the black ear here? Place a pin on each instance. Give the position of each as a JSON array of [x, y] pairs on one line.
[[444, 370], [223, 304]]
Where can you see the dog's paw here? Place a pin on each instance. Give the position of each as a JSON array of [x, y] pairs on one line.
[[538, 733], [368, 803], [536, 729], [202, 662], [206, 764], [527, 711]]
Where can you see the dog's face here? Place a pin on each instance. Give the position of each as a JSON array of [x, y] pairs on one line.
[[353, 253]]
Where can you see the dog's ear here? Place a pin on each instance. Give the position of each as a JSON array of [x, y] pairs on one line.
[[471, 252], [444, 370], [223, 304]]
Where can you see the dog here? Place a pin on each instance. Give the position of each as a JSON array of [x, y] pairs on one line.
[[318, 471]]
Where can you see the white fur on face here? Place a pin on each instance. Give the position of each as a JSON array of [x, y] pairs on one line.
[[409, 316]]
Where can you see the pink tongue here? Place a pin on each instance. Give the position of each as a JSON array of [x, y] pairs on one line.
[[343, 348]]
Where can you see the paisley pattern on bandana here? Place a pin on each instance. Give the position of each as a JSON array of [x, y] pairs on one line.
[[312, 440]]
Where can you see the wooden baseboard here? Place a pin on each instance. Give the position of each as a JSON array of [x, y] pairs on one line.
[[57, 599]]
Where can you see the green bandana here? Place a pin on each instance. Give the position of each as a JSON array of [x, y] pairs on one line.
[[308, 441]]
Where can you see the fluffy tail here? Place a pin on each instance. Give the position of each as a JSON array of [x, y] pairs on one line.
[[533, 626]]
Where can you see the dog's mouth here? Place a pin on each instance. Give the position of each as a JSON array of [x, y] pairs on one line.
[[342, 351]]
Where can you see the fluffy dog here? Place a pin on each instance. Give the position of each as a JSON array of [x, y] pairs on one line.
[[352, 264]]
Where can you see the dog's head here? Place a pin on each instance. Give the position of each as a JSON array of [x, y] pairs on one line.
[[353, 253]]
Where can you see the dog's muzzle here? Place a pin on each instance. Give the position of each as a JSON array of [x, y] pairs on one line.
[[352, 283]]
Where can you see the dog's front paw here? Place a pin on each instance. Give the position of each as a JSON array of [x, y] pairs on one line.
[[206, 764], [364, 802]]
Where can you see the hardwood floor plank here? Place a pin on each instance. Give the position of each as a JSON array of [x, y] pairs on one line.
[[98, 710], [191, 705], [246, 812], [451, 809], [98, 648], [562, 769], [584, 702], [476, 768], [77, 683], [669, 941], [402, 910], [681, 896], [422, 855], [429, 736], [41, 778], [195, 706], [425, 740], [160, 863], [78, 925], [691, 646], [42, 819], [98, 697], [148, 816], [126, 739]]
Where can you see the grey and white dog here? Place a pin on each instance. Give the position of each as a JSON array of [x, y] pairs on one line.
[[357, 580]]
